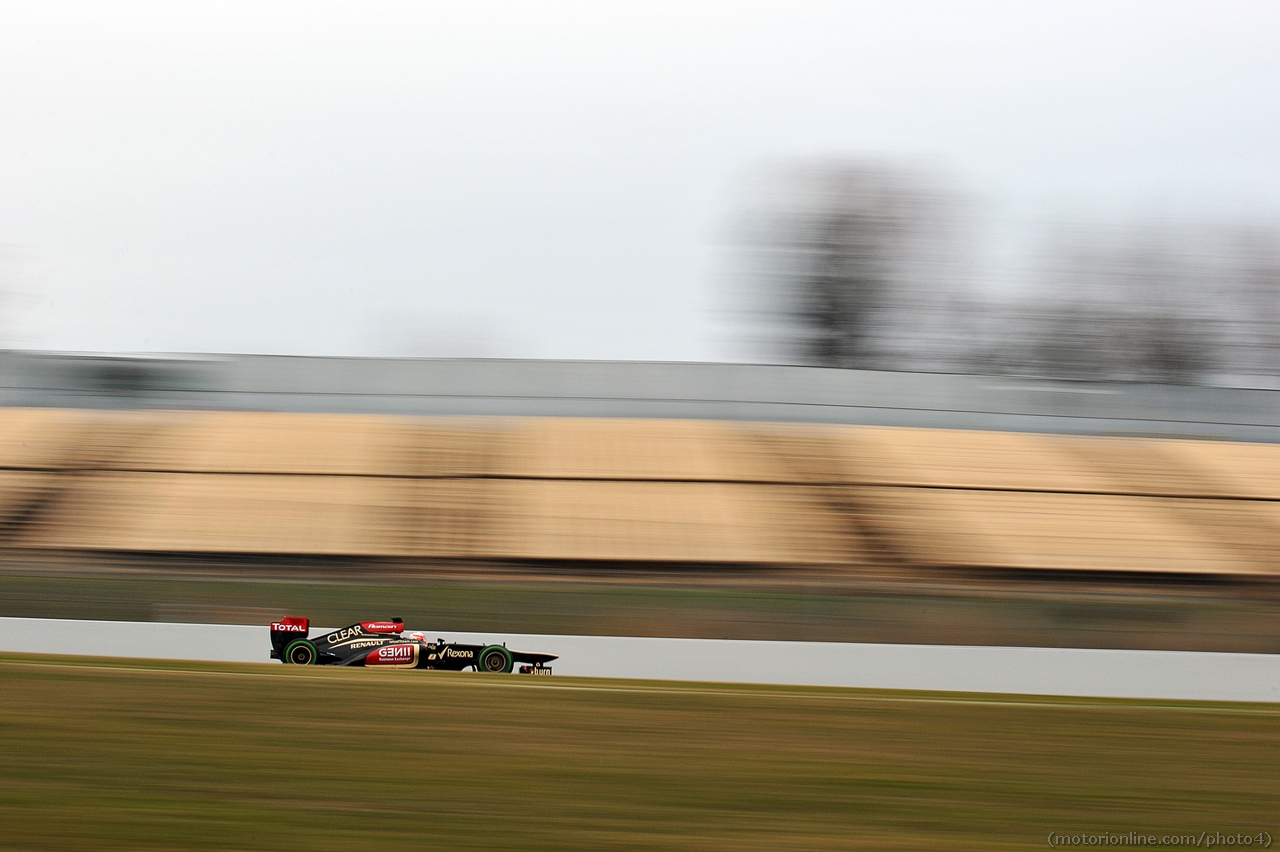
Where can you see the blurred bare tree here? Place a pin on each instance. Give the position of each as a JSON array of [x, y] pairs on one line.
[[1134, 305], [1254, 301], [863, 265], [837, 251]]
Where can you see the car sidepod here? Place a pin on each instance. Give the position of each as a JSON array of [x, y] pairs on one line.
[[450, 656]]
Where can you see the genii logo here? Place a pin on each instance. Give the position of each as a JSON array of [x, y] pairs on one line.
[[393, 655]]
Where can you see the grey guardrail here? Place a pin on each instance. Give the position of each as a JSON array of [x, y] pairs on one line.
[[637, 389]]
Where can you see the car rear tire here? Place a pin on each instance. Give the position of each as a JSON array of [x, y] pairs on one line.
[[496, 660], [300, 653]]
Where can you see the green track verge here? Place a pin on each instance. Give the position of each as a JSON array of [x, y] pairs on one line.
[[1148, 618], [115, 754]]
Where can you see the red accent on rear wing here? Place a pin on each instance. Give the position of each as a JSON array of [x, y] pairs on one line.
[[291, 625]]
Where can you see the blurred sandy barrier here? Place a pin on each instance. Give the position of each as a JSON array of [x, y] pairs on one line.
[[1175, 675], [633, 491]]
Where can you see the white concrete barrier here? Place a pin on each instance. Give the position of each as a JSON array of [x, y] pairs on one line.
[[961, 668]]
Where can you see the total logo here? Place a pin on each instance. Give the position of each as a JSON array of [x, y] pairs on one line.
[[284, 627], [393, 655]]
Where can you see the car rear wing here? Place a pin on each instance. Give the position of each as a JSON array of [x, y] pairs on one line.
[[285, 631]]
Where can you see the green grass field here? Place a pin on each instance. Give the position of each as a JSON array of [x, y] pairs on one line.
[[151, 755]]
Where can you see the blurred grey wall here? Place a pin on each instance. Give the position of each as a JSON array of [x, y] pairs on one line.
[[482, 387]]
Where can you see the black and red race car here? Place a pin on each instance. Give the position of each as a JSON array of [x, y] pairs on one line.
[[385, 643]]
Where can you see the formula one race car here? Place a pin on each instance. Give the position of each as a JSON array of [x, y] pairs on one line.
[[385, 643]]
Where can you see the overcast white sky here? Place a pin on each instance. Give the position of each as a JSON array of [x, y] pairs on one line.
[[549, 179]]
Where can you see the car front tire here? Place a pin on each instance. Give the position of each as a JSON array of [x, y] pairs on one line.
[[496, 660]]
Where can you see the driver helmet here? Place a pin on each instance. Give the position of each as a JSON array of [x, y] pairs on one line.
[[417, 636]]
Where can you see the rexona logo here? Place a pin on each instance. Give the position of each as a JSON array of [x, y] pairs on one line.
[[286, 627], [393, 655], [454, 652]]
